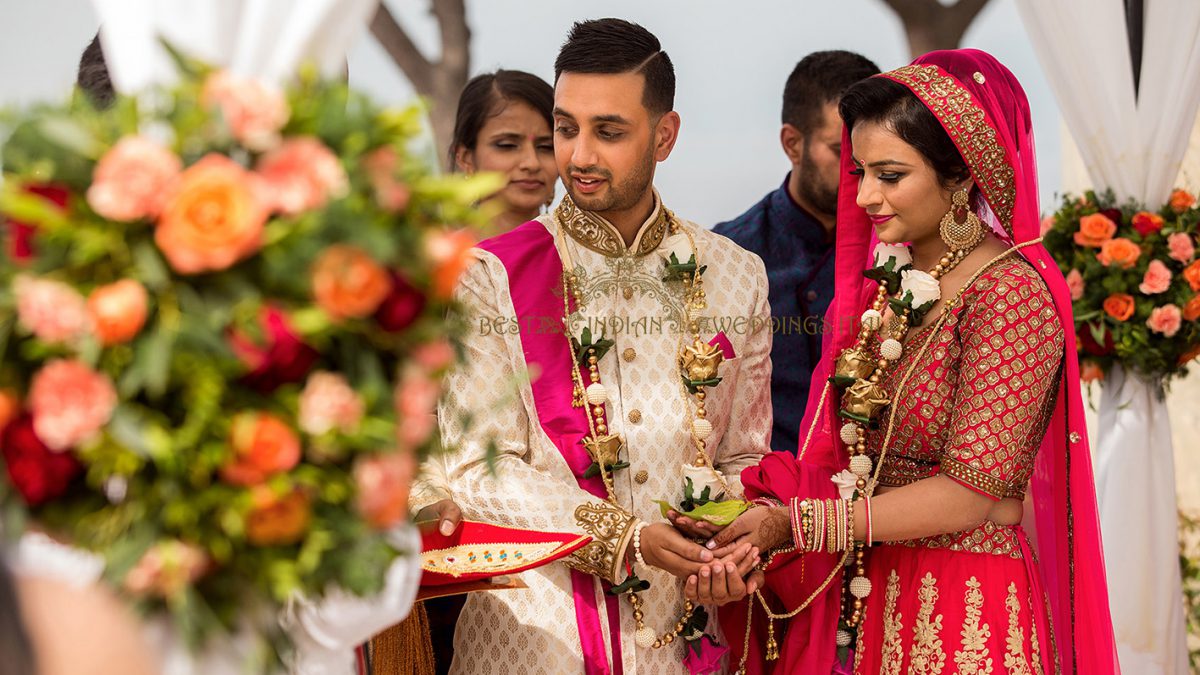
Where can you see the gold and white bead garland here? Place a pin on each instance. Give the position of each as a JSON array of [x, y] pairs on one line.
[[863, 400], [605, 447]]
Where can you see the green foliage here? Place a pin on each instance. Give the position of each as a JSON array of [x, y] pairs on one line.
[[1189, 565]]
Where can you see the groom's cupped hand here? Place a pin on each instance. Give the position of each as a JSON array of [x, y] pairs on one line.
[[665, 548]]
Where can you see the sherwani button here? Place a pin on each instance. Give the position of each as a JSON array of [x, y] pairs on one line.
[[629, 354], [635, 415], [812, 295], [641, 477], [628, 293]]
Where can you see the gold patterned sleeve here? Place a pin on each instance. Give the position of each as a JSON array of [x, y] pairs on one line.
[[485, 409], [748, 436], [1012, 348]]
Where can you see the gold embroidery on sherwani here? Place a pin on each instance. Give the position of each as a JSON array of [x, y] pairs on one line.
[[599, 235], [1015, 661], [973, 658], [608, 526], [893, 645], [926, 656]]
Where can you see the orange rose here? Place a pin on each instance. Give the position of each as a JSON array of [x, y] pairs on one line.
[[1181, 200], [10, 407], [1094, 230], [166, 569], [262, 445], [451, 252], [278, 520], [349, 283], [1192, 274], [118, 311], [1090, 371], [212, 219], [383, 485], [1191, 311], [1119, 306], [1120, 251]]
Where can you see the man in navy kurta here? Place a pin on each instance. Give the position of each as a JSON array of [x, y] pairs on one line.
[[791, 229]]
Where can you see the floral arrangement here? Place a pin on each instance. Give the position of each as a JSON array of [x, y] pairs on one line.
[[222, 333], [1134, 279]]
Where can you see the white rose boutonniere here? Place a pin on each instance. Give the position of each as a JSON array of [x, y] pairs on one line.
[[920, 290], [846, 482], [703, 477], [677, 244], [900, 254]]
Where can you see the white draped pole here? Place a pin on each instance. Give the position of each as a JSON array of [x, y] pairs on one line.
[[1133, 144]]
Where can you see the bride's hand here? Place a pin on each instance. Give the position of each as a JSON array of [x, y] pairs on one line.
[[764, 527]]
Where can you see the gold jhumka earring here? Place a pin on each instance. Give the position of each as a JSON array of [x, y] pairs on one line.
[[960, 228]]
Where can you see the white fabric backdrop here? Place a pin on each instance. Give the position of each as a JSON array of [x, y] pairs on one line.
[[266, 39], [1135, 146]]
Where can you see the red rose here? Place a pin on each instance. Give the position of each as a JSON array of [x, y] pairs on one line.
[[401, 307], [281, 358], [20, 239], [37, 472], [1114, 215], [1147, 223], [1091, 346]]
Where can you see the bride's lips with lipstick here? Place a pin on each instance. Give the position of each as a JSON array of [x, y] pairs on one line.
[[529, 184], [879, 220]]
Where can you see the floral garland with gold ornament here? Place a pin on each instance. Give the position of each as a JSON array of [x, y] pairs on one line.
[[828, 525], [698, 363]]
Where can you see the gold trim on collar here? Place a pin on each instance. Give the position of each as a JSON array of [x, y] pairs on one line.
[[596, 233]]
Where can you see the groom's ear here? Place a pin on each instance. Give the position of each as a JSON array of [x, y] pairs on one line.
[[666, 133], [792, 142]]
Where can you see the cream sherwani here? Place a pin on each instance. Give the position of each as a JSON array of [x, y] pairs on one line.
[[534, 630]]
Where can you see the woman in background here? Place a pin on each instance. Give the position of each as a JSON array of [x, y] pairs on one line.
[[503, 125]]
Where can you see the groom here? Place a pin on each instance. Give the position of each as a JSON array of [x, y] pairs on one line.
[[530, 460]]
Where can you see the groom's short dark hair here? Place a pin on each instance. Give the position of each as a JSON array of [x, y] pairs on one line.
[[613, 46]]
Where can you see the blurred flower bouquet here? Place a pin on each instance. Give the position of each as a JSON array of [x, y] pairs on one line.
[[1135, 282], [222, 331]]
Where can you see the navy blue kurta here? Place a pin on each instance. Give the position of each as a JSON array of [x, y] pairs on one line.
[[799, 259]]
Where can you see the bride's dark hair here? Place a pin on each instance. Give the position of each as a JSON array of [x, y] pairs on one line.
[[14, 641], [887, 102]]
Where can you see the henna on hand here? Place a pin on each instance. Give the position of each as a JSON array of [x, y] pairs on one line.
[[774, 530]]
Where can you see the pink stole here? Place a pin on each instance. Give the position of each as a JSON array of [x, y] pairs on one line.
[[534, 273]]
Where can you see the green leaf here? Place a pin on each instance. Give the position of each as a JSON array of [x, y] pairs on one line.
[[717, 513], [71, 136]]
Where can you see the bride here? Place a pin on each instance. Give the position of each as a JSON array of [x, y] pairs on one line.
[[953, 414]]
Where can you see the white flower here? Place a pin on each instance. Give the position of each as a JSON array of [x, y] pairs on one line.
[[846, 482], [902, 254], [679, 244], [923, 288], [702, 477]]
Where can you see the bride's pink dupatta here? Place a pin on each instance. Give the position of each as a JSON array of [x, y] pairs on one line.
[[984, 110]]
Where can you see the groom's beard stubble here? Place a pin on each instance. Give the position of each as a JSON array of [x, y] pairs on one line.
[[812, 188], [618, 197]]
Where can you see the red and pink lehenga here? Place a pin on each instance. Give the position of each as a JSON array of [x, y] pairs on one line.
[[993, 403]]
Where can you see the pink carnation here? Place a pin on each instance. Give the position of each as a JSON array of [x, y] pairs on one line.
[[131, 179], [53, 311], [70, 402], [1157, 279], [1181, 246], [416, 400], [434, 356], [1166, 320], [391, 193], [328, 402], [253, 111], [1075, 284], [301, 174]]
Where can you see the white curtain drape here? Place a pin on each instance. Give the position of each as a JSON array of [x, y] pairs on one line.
[[1133, 144], [265, 39]]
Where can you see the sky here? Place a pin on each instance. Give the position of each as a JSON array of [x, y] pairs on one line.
[[731, 61]]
